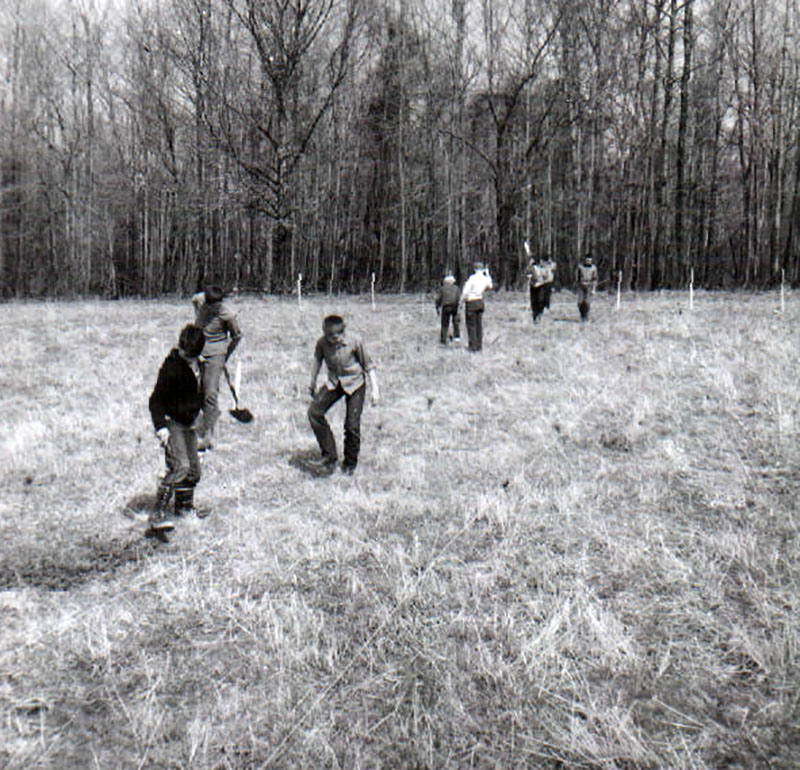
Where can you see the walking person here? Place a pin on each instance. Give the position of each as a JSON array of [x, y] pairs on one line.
[[537, 276], [586, 278], [541, 275], [175, 404], [348, 365], [447, 301], [472, 296], [223, 334]]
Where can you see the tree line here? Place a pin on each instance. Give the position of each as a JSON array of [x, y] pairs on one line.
[[149, 146]]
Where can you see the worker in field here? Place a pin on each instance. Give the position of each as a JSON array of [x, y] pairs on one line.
[[223, 334], [586, 279], [447, 302], [348, 367], [541, 276], [472, 297]]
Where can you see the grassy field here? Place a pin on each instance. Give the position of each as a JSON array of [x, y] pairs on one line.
[[577, 549]]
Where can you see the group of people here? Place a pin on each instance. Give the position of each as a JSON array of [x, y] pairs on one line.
[[450, 298], [184, 404], [541, 276]]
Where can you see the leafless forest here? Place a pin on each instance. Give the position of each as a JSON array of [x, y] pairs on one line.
[[149, 145]]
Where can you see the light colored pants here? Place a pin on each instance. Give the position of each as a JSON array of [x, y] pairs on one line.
[[211, 371], [180, 454]]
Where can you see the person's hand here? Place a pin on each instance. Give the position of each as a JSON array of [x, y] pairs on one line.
[[312, 389], [163, 436], [376, 397]]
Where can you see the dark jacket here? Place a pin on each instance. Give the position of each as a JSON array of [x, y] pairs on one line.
[[449, 295], [176, 394]]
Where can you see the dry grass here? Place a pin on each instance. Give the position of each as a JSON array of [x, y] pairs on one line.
[[575, 550]]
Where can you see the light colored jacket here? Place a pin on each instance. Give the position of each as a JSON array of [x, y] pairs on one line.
[[479, 282]]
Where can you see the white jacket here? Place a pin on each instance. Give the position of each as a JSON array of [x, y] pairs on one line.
[[476, 284]]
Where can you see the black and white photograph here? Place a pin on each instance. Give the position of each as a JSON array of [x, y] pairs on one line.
[[400, 384]]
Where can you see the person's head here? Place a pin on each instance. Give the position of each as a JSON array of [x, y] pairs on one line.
[[448, 276], [478, 266], [191, 341], [333, 328], [213, 294], [587, 260]]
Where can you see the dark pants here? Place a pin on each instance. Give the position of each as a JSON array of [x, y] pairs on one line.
[[323, 401], [448, 312], [473, 313], [538, 301], [548, 292], [583, 302]]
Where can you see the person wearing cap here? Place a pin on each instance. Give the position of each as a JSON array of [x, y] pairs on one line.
[[447, 300], [223, 334], [472, 297], [586, 278]]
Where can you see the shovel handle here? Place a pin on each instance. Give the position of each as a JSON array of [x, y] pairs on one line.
[[230, 385]]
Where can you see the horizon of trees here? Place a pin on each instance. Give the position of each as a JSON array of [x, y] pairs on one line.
[[149, 146]]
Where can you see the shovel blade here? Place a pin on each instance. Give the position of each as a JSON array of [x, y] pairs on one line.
[[242, 415]]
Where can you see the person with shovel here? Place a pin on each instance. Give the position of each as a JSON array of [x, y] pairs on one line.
[[223, 334]]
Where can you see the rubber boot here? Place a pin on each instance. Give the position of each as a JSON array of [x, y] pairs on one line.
[[184, 501], [159, 519]]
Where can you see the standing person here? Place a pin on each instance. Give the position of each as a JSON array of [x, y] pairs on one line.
[[537, 278], [447, 304], [218, 324], [174, 406], [472, 297], [586, 277], [541, 274], [348, 364]]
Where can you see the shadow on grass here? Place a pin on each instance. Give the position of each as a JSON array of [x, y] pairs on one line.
[[88, 561], [305, 459], [68, 565]]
